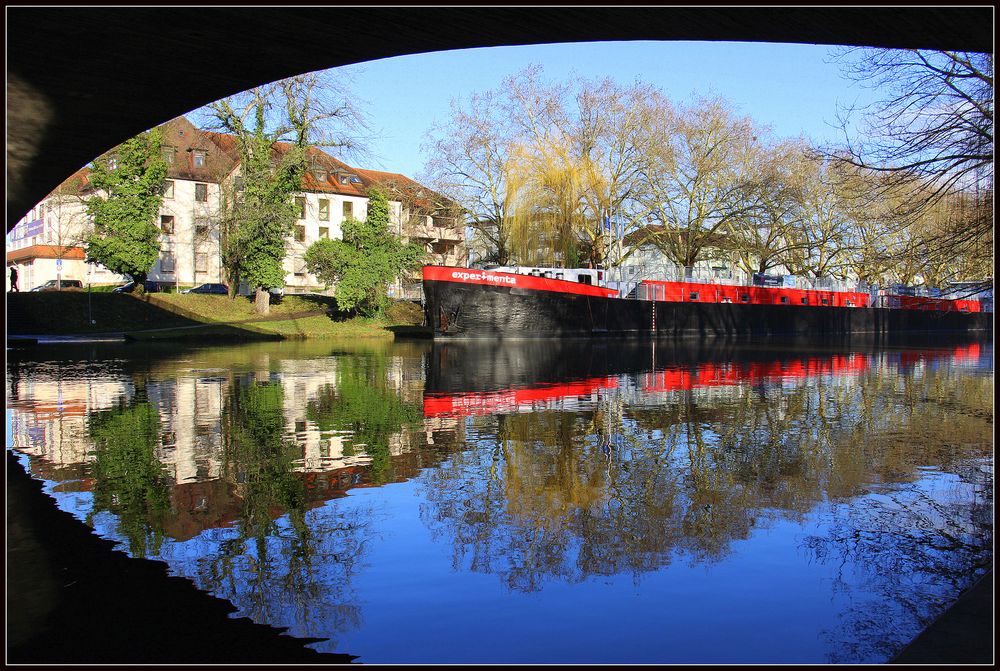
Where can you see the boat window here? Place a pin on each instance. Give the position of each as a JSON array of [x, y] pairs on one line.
[[559, 276], [805, 301], [547, 273], [727, 300], [584, 279], [694, 296], [784, 299], [850, 304], [745, 298], [826, 301]]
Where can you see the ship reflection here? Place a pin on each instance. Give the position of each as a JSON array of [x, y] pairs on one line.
[[536, 376]]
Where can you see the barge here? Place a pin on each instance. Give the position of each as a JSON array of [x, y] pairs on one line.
[[505, 303]]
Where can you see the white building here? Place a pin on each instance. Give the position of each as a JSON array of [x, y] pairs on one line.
[[49, 242]]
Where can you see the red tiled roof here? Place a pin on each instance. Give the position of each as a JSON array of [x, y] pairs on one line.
[[334, 168], [46, 252], [75, 184], [421, 195], [223, 157]]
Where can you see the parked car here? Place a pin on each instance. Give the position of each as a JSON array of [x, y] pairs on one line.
[[56, 285], [149, 286], [207, 289]]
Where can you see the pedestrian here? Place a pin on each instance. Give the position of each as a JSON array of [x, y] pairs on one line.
[[13, 278]]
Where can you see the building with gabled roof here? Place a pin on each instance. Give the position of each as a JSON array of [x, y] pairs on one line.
[[201, 165]]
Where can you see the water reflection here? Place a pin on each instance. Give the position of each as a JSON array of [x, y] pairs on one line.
[[265, 474]]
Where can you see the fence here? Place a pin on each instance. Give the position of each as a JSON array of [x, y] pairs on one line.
[[627, 278]]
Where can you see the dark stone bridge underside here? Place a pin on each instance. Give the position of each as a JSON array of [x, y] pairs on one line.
[[81, 80]]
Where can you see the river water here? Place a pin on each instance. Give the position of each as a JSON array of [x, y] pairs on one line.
[[535, 502]]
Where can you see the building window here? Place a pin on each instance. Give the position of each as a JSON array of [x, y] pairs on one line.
[[319, 173], [201, 193], [199, 158], [343, 179], [324, 209], [167, 189], [167, 262], [167, 224], [300, 268], [201, 227], [168, 154], [201, 262], [300, 234], [324, 232], [300, 204], [693, 296], [348, 209]]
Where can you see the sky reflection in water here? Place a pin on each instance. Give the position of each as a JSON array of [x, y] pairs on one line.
[[532, 502]]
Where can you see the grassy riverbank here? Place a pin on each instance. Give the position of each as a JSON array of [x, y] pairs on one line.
[[182, 316]]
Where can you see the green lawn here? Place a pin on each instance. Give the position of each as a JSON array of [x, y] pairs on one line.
[[170, 316]]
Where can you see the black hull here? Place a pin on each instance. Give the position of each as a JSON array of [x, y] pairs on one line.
[[459, 310]]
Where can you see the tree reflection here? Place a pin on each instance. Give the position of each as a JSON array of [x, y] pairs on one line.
[[914, 545], [129, 479], [287, 564], [627, 487], [362, 404]]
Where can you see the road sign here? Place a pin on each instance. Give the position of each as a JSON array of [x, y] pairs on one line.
[[58, 263]]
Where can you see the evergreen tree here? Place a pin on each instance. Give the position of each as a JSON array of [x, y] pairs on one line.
[[364, 263], [126, 239]]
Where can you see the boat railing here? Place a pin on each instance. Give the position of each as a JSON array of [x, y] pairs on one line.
[[627, 278]]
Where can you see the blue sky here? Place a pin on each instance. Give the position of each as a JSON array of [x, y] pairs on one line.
[[793, 88]]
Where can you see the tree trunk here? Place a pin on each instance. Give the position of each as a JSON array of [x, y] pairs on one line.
[[262, 302]]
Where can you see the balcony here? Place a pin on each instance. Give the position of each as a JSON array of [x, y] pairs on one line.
[[426, 232]]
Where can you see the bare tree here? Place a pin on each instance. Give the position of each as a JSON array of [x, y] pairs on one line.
[[764, 237], [696, 177], [612, 146], [471, 164], [932, 130]]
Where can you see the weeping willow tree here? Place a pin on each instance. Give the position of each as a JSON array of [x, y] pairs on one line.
[[549, 217], [540, 167]]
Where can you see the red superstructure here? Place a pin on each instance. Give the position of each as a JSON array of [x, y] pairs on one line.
[[513, 281], [926, 303], [696, 292], [509, 400]]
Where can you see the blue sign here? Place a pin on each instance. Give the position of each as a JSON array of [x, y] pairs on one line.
[[28, 229]]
